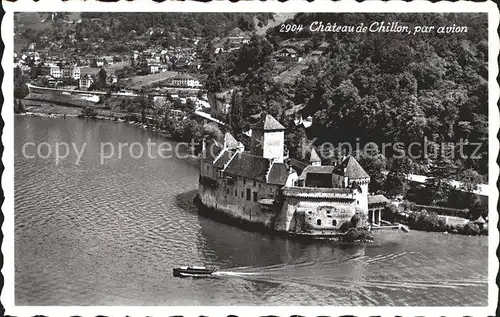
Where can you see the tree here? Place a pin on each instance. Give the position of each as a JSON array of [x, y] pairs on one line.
[[236, 122], [438, 183], [20, 88], [469, 180], [373, 163], [102, 78], [397, 182], [19, 107]]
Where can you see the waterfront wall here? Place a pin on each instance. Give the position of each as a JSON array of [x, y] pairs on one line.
[[294, 215], [315, 215], [236, 207]]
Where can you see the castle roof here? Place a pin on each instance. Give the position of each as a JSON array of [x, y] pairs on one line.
[[314, 157], [377, 199], [229, 141], [223, 159], [297, 165], [278, 174], [212, 150], [249, 166], [350, 168], [328, 169], [269, 123], [345, 194], [182, 76], [480, 220]]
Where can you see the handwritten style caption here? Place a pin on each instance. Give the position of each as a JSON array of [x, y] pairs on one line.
[[375, 27]]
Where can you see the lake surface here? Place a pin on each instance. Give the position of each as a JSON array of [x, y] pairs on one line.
[[93, 234]]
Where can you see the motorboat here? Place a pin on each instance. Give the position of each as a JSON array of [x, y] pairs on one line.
[[192, 271]]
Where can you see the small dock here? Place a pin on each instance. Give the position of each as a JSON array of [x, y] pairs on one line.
[[385, 225]]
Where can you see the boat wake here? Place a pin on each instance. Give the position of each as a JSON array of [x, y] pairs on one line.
[[230, 273], [330, 275]]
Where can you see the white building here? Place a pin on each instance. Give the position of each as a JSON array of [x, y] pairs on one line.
[[72, 72], [52, 70], [85, 82], [184, 80], [154, 68]]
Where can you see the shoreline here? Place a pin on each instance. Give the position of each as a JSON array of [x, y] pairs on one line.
[[54, 111], [61, 112], [222, 217]]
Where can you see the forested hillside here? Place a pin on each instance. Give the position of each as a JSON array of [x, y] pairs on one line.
[[113, 29], [381, 87]]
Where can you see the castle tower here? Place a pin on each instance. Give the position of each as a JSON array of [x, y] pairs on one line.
[[349, 172], [314, 159], [268, 139]]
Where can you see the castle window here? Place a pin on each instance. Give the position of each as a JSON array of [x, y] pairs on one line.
[[248, 194], [318, 222], [244, 181], [334, 222], [241, 194], [228, 190], [254, 196], [254, 183], [236, 193], [207, 167]]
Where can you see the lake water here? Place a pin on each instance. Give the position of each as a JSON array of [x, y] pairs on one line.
[[110, 234]]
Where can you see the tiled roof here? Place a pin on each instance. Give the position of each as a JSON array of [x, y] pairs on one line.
[[183, 76], [212, 150], [297, 165], [314, 157], [278, 174], [377, 199], [229, 141], [480, 220], [269, 124], [295, 109], [289, 50], [350, 168], [223, 159], [317, 170], [89, 71], [249, 166], [314, 192]]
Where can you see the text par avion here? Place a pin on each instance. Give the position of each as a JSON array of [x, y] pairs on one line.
[[382, 26]]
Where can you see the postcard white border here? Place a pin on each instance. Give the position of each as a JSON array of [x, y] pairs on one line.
[[7, 296]]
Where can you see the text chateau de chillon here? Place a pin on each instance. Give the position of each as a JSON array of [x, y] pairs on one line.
[[259, 187]]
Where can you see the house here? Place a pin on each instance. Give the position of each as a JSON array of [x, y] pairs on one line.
[[51, 70], [295, 114], [108, 60], [237, 37], [183, 80], [220, 101], [181, 62], [97, 62], [72, 72], [111, 79], [85, 82], [286, 53], [153, 68]]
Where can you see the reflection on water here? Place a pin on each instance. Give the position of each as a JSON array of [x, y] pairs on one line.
[[110, 234]]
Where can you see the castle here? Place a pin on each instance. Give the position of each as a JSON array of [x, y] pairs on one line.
[[259, 187]]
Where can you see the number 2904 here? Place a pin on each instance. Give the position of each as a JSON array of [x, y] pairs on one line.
[[284, 28]]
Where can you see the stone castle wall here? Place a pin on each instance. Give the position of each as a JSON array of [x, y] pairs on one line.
[[236, 207], [314, 215]]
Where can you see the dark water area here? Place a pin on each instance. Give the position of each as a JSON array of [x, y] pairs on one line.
[[110, 234]]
